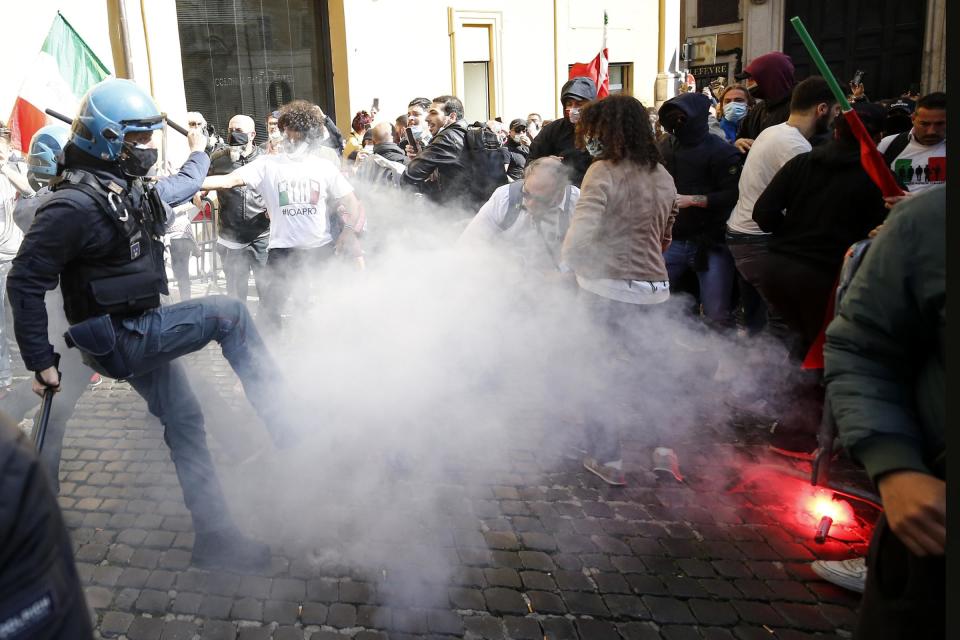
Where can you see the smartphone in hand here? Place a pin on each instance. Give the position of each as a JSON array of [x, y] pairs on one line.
[[412, 140]]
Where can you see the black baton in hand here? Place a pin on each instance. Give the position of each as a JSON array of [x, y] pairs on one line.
[[43, 418], [59, 116]]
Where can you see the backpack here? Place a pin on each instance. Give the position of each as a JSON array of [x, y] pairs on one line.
[[897, 145], [485, 163]]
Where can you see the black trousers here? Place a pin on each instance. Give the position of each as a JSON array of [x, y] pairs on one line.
[[288, 269], [905, 596]]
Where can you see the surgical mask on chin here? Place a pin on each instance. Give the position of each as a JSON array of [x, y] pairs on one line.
[[594, 147], [136, 160], [734, 111], [276, 136], [417, 130], [575, 115]]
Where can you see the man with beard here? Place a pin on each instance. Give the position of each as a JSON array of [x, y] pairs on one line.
[[812, 108]]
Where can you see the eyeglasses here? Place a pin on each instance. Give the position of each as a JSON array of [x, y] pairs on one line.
[[526, 195]]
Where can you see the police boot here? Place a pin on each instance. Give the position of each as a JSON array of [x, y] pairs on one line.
[[229, 549]]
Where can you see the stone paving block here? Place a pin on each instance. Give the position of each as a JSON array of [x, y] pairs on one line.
[[288, 633], [254, 633], [546, 602], [597, 630], [638, 631], [504, 601], [222, 584], [486, 627], [626, 606], [355, 592], [676, 632], [119, 554], [285, 589], [413, 621], [522, 628], [178, 630], [152, 601], [218, 630], [558, 629], [247, 609], [713, 612], [467, 599], [502, 578], [161, 579], [583, 603], [323, 589], [145, 629], [668, 610], [186, 603], [217, 607], [803, 616], [572, 581], [280, 611], [610, 583], [114, 623], [98, 597], [125, 599], [758, 613], [341, 615], [536, 541], [538, 580]]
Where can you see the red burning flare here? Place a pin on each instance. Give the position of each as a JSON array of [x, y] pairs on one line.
[[817, 503]]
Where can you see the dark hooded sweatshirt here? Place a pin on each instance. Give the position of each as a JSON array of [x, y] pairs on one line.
[[701, 164], [773, 73], [557, 138], [819, 204]]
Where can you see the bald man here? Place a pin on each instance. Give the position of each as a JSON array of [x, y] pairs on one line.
[[383, 144], [243, 225]]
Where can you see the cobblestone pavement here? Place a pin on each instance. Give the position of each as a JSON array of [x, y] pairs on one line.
[[537, 549]]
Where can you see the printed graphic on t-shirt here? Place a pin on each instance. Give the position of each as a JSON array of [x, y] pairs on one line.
[[914, 172], [298, 197]]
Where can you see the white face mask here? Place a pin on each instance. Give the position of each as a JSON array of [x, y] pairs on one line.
[[575, 115], [276, 136]]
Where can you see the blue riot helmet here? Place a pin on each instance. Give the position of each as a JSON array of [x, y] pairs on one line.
[[46, 151], [109, 111]]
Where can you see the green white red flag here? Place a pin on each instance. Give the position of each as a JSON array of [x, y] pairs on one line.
[[57, 79], [597, 69]]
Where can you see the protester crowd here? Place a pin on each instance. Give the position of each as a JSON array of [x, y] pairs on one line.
[[741, 200]]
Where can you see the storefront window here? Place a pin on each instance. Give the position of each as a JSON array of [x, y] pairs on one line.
[[251, 56]]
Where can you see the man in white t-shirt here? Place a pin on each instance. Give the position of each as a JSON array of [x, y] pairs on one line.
[[296, 185], [812, 109], [528, 218], [918, 158]]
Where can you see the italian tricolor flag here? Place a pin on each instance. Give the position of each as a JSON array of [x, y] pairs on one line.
[[60, 75]]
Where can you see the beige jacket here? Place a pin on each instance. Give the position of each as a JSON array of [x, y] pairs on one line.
[[623, 219]]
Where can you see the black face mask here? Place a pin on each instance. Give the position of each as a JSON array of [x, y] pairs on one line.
[[136, 161], [755, 92], [238, 139]]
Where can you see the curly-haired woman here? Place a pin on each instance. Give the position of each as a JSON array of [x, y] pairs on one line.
[[619, 231]]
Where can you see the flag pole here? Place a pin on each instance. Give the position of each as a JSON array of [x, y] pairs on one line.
[[872, 161]]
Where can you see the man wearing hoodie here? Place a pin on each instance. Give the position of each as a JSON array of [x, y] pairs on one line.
[[768, 78], [705, 170], [557, 138]]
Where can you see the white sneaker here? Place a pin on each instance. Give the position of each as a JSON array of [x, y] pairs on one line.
[[850, 574]]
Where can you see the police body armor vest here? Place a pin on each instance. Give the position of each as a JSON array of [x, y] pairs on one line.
[[127, 277]]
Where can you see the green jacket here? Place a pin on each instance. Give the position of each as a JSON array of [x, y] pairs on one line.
[[885, 352]]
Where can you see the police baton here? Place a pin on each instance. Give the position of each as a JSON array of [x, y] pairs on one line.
[[43, 418], [59, 116]]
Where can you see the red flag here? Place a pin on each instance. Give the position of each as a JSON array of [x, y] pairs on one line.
[[597, 69], [873, 163]]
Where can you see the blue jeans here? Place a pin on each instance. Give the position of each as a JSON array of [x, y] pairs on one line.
[[150, 344], [716, 283]]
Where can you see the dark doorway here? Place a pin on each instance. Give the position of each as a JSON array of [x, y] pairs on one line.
[[884, 38], [250, 56]]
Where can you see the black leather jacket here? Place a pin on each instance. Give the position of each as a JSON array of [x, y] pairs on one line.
[[243, 213], [444, 155]]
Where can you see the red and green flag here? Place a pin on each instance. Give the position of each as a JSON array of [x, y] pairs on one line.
[[58, 78]]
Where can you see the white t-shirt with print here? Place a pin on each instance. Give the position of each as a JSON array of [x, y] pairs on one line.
[[772, 149], [295, 190], [918, 166]]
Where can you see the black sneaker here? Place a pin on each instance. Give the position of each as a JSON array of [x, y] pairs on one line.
[[229, 549]]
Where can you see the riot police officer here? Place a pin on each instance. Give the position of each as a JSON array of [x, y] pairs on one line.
[[100, 233]]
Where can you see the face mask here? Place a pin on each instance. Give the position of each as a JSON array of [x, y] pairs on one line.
[[276, 136], [575, 115], [516, 138], [734, 111], [238, 139], [755, 92], [137, 159], [594, 147]]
